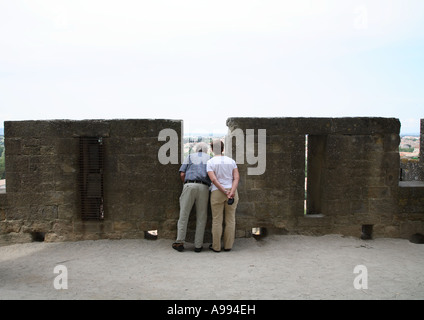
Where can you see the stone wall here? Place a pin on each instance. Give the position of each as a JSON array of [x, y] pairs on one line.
[[42, 166], [352, 172], [422, 141], [411, 170], [411, 208], [411, 193]]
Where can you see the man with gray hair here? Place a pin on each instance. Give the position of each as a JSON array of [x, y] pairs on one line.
[[195, 191]]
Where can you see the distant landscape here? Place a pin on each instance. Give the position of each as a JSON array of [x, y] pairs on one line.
[[409, 147]]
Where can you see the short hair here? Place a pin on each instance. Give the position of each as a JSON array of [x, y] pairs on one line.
[[202, 147], [218, 146]]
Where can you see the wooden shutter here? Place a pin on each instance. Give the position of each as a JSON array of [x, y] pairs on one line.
[[91, 178]]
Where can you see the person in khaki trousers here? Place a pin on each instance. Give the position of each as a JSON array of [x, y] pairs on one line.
[[224, 175]]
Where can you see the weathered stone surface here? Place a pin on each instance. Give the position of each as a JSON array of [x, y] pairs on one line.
[[352, 172], [353, 165], [345, 126], [422, 141], [42, 170], [411, 197]]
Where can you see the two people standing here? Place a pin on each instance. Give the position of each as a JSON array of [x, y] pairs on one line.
[[198, 172]]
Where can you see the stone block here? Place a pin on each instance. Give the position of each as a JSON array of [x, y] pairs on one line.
[[142, 127], [146, 225], [359, 206], [365, 125], [68, 212], [41, 212], [336, 207], [382, 206], [92, 227], [348, 230], [391, 142], [13, 237], [62, 227], [315, 220], [37, 226], [365, 219], [3, 200], [16, 164], [10, 226], [376, 192], [67, 146], [123, 226], [17, 212], [246, 209], [408, 228], [13, 146], [391, 231]]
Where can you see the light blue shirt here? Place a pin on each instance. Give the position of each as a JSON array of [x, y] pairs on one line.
[[194, 167]]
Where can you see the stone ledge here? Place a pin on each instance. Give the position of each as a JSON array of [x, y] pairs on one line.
[[411, 184]]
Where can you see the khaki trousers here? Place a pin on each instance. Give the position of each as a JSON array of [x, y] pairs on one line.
[[193, 193], [220, 209]]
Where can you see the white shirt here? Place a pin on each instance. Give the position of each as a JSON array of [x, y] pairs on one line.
[[223, 167]]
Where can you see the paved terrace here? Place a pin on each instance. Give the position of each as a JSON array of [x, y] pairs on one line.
[[277, 267]]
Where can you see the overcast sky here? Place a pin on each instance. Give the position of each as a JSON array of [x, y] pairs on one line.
[[203, 61]]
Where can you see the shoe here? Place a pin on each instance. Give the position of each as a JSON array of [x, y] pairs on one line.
[[198, 249], [178, 246], [210, 247], [227, 250]]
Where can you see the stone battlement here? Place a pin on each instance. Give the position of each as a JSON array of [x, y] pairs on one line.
[[58, 170]]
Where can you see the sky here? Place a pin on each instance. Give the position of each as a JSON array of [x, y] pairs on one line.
[[204, 61]]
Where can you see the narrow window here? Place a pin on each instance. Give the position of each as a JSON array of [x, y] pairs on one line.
[[314, 167], [91, 178]]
